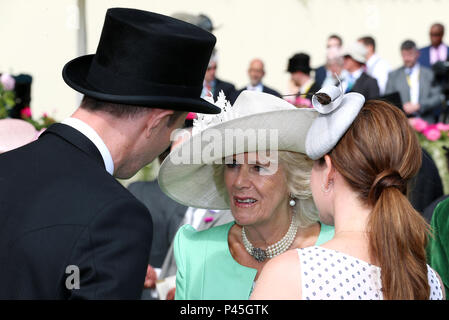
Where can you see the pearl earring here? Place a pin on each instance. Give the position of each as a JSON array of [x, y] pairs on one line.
[[292, 203]]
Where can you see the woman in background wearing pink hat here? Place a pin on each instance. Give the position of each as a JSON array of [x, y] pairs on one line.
[[15, 133]]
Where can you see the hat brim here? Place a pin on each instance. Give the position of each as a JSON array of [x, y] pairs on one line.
[[75, 73], [193, 184], [360, 60]]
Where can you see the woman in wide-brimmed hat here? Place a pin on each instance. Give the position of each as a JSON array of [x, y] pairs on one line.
[[249, 159]]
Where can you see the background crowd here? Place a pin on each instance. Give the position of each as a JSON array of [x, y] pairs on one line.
[[419, 86]]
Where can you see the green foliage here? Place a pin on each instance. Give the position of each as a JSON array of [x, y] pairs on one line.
[[7, 101]]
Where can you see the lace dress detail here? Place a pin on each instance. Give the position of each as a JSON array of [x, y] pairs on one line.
[[332, 275]]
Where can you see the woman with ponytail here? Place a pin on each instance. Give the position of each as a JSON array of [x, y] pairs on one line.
[[365, 154]]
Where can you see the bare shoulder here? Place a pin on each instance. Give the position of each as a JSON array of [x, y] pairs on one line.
[[280, 278]]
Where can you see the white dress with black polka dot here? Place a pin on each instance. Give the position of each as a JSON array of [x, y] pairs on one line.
[[332, 275]]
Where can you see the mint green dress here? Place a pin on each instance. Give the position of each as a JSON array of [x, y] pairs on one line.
[[206, 268]]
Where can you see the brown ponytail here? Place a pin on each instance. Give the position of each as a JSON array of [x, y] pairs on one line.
[[378, 156]]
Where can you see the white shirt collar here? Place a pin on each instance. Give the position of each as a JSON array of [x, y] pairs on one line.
[[93, 136], [356, 74], [258, 87], [413, 69], [440, 47]]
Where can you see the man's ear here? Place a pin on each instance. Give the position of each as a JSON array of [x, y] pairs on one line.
[[155, 118]]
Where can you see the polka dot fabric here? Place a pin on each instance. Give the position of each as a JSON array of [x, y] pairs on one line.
[[436, 290], [327, 274]]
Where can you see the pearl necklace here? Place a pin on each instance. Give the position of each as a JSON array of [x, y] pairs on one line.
[[275, 249]]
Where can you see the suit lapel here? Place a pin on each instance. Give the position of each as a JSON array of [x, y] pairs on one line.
[[75, 138], [358, 84]]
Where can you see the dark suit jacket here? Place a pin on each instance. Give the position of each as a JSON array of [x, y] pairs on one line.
[[424, 56], [367, 86], [166, 213], [228, 89], [320, 75], [58, 208], [426, 186], [264, 89]]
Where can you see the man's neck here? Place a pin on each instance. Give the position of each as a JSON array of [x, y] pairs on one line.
[[112, 132], [259, 84], [95, 138], [412, 66], [303, 80]]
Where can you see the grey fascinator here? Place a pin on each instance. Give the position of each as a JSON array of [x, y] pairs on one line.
[[337, 111]]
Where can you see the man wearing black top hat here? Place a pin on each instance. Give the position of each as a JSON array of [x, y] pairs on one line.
[[299, 68], [68, 229]]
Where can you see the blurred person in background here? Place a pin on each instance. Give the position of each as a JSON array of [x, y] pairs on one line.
[[415, 83], [376, 67], [437, 51], [15, 133], [335, 73], [358, 80], [299, 69], [213, 85], [256, 72], [334, 45]]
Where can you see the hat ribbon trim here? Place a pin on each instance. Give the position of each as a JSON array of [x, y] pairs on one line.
[[110, 82]]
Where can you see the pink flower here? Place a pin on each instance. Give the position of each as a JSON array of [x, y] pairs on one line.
[[26, 112], [208, 219], [303, 102], [442, 126], [432, 133], [418, 124], [7, 81]]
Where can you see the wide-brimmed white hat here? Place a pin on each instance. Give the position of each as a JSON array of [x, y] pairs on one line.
[[187, 174]]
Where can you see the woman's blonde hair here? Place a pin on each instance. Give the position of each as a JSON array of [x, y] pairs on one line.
[[298, 168]]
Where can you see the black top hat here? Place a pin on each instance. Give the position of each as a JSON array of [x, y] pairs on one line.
[[299, 62], [146, 59]]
